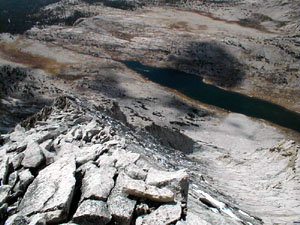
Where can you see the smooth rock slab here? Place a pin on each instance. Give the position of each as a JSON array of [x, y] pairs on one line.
[[51, 191], [164, 215], [33, 156], [98, 182], [91, 212], [140, 189]]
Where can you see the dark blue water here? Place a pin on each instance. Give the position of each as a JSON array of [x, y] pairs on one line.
[[16, 15], [194, 87]]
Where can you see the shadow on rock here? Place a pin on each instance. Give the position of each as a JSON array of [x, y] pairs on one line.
[[211, 60], [17, 98], [173, 139]]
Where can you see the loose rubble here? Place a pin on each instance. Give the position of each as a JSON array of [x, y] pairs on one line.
[[41, 181]]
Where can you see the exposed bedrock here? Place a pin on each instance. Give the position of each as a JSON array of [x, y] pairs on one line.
[[95, 170]]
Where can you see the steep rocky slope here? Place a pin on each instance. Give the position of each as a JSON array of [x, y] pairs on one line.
[[73, 162], [106, 140]]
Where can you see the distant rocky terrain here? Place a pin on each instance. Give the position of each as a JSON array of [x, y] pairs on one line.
[[86, 140]]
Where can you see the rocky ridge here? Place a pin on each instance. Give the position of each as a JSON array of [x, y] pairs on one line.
[[73, 163], [117, 131]]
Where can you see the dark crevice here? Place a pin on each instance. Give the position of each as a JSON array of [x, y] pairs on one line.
[[76, 196]]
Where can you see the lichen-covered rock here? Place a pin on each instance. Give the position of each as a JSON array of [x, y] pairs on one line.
[[91, 212], [164, 215], [33, 156], [98, 182], [51, 191], [140, 189]]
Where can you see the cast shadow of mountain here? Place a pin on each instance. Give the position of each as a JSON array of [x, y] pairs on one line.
[[211, 60]]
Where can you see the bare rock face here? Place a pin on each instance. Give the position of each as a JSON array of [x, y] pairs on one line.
[[17, 220], [25, 178], [96, 177], [166, 214], [4, 192], [92, 212], [4, 168], [119, 205], [98, 182], [51, 192], [33, 156], [18, 135], [140, 189], [177, 181], [171, 138]]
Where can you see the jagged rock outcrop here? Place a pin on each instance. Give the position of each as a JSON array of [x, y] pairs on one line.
[[79, 172], [51, 192], [84, 167]]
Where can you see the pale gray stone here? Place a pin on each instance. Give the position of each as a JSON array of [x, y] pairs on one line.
[[13, 177], [17, 160], [164, 215], [47, 144], [33, 156], [4, 169], [176, 181], [67, 149], [49, 156], [135, 172], [18, 135], [91, 212], [14, 146], [106, 160], [89, 153], [125, 158], [25, 178], [140, 189], [78, 134], [193, 219], [119, 205], [38, 219], [51, 191], [90, 130], [119, 158], [4, 192], [17, 219], [98, 182]]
